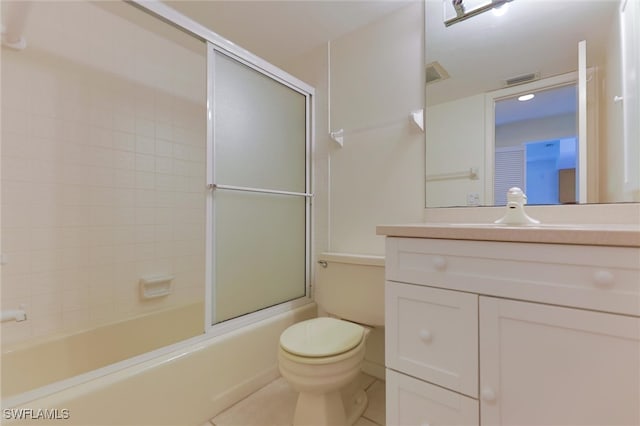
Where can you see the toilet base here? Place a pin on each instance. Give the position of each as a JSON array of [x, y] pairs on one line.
[[355, 406], [320, 409], [329, 409]]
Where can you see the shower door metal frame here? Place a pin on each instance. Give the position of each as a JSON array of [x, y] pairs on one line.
[[218, 43]]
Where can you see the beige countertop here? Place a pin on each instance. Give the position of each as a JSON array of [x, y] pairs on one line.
[[600, 235]]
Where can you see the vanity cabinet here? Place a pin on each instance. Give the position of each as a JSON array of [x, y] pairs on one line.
[[503, 333]]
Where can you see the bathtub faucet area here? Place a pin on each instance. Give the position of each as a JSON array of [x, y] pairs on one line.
[[14, 314]]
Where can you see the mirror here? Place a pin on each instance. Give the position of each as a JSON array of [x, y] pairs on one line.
[[530, 46]]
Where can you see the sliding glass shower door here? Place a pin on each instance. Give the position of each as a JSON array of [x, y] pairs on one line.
[[260, 182]]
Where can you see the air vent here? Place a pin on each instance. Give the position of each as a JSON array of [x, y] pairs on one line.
[[436, 72], [526, 78]]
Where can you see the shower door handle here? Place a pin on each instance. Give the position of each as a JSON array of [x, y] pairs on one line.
[[214, 186]]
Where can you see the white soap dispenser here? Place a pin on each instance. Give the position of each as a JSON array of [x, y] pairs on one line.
[[515, 215]]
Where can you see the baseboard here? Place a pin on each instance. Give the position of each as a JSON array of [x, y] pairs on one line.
[[373, 369], [240, 391]]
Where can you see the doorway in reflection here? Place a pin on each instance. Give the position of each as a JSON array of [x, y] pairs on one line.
[[536, 145]]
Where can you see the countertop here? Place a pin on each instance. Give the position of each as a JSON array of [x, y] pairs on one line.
[[599, 235]]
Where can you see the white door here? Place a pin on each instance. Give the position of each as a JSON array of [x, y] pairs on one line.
[[548, 365]]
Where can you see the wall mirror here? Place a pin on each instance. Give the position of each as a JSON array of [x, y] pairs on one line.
[[579, 123]]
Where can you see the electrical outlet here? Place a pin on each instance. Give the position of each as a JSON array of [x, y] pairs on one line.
[[473, 199]]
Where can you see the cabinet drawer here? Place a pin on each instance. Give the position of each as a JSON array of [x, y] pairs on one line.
[[432, 334], [592, 277], [414, 402]]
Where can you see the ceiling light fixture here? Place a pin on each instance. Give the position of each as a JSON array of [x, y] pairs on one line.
[[462, 12], [500, 10], [525, 98]]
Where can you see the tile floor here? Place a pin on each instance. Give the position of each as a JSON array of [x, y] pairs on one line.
[[273, 405]]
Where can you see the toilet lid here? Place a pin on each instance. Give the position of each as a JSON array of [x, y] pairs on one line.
[[321, 337]]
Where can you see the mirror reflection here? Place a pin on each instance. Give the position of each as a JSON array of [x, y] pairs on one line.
[[536, 145], [476, 70]]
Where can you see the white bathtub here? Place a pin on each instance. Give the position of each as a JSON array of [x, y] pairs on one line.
[[184, 387], [39, 362]]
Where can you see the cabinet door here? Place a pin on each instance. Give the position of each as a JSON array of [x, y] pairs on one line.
[[432, 334], [548, 365], [414, 402]]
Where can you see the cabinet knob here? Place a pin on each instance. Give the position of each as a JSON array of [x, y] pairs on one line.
[[488, 395], [426, 336], [603, 278], [440, 263]]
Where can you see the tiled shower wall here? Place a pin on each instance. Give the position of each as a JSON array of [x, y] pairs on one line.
[[103, 166]]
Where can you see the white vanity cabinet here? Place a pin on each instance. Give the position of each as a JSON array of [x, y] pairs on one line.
[[505, 333]]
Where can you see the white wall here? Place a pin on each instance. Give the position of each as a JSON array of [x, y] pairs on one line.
[[547, 128], [376, 76], [377, 177], [611, 126], [456, 127], [312, 68]]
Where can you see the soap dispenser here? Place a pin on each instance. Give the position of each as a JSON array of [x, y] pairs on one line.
[[515, 215]]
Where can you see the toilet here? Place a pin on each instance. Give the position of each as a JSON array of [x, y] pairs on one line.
[[321, 357]]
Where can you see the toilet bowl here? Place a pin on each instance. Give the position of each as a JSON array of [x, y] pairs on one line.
[[319, 367], [321, 357]]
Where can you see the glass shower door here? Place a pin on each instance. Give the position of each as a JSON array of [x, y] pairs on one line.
[[260, 181]]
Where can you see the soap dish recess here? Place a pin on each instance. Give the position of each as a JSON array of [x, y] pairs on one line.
[[156, 286]]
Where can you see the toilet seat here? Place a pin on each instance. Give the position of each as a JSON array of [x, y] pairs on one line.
[[321, 337]]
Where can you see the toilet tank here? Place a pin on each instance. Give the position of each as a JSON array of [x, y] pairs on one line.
[[351, 287]]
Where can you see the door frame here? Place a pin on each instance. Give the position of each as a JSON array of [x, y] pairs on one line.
[[490, 119]]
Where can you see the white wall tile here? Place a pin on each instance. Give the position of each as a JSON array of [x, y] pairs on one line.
[[124, 121], [145, 163], [75, 318], [124, 178], [124, 160], [125, 252], [124, 216], [145, 180], [45, 324], [145, 127], [48, 281], [145, 215], [91, 171], [15, 145], [16, 239], [45, 304], [145, 145], [164, 148], [16, 286], [124, 141]]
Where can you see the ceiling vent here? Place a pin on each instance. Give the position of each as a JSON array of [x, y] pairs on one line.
[[526, 78], [436, 72]]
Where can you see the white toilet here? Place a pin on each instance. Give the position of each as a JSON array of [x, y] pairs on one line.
[[322, 356]]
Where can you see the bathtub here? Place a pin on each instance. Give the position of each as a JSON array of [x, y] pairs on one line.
[[186, 385], [39, 362]]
